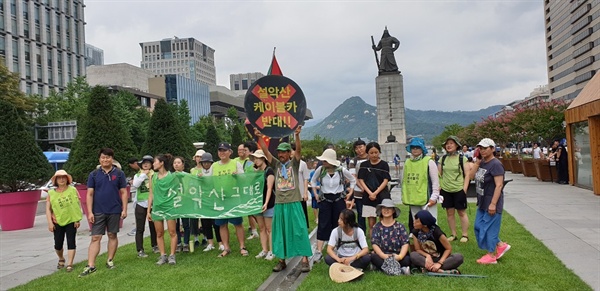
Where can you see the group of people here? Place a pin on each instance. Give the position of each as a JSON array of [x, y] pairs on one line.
[[283, 223]]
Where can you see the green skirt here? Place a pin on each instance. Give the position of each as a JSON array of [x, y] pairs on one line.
[[289, 232]]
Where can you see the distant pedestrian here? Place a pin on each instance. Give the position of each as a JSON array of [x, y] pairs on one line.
[[537, 151], [107, 205], [397, 164], [63, 213], [488, 173]]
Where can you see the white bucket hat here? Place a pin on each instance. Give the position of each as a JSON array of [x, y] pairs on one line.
[[259, 154], [330, 157]]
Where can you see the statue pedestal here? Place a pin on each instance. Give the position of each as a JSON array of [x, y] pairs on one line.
[[390, 115]]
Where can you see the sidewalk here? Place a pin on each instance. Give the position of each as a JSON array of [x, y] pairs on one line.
[[29, 254], [565, 218]]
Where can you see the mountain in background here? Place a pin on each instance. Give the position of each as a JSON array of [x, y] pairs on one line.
[[355, 118]]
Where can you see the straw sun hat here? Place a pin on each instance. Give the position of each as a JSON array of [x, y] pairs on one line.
[[330, 157], [341, 273], [61, 173]]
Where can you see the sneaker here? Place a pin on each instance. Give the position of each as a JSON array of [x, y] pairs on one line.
[[110, 264], [304, 267], [502, 250], [253, 235], [317, 257], [451, 238], [155, 250], [405, 270], [132, 232], [162, 260], [453, 271], [221, 248], [179, 248], [464, 239], [487, 259], [186, 248], [262, 254], [280, 266], [171, 260], [269, 256], [196, 244], [209, 248], [204, 241], [87, 270], [141, 254]]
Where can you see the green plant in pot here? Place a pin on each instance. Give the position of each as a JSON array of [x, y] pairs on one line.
[[23, 165]]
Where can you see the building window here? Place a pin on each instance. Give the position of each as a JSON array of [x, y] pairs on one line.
[[2, 46]]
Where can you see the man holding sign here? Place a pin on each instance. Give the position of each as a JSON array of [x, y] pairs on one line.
[[289, 226]]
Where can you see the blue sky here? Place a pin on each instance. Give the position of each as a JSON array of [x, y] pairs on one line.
[[454, 55]]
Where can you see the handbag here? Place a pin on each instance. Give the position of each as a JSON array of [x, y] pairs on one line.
[[391, 266]]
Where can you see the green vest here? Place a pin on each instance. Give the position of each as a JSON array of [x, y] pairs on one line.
[[227, 169], [415, 183], [195, 171], [143, 191], [65, 206]]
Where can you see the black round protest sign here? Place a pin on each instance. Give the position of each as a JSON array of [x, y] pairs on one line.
[[275, 105]]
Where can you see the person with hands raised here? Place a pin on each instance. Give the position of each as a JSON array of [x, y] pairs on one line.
[[289, 234]]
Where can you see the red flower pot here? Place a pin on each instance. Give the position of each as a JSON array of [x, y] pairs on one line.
[[17, 209]]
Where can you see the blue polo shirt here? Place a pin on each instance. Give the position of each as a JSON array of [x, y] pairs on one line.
[[106, 185]]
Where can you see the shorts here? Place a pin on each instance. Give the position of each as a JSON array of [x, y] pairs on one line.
[[234, 221], [456, 200], [268, 213], [106, 222], [369, 211]]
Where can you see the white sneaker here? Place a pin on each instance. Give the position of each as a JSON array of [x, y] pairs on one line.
[[269, 256], [253, 235], [262, 254], [221, 247], [405, 270], [209, 248], [132, 232], [317, 257]]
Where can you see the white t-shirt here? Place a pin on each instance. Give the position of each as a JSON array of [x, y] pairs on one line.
[[303, 175], [348, 249], [536, 153]]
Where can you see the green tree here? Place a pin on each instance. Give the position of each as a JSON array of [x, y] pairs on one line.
[[100, 127], [452, 129], [165, 134], [22, 160], [133, 117], [9, 86], [212, 138]]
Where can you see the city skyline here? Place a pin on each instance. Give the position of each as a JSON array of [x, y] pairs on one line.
[[460, 55]]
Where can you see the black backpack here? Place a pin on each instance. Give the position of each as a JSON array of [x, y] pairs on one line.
[[460, 164]]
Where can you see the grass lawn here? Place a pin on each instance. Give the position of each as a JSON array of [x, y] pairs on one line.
[[529, 265]]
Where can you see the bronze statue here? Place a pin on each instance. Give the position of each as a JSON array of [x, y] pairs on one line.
[[387, 45]]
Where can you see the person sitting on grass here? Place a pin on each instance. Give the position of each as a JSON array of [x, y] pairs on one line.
[[433, 251], [347, 243], [389, 238], [63, 212]]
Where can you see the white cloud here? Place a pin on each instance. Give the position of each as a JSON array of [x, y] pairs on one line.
[[453, 55]]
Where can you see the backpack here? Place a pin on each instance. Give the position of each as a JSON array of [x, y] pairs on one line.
[[460, 164], [339, 170], [354, 238]]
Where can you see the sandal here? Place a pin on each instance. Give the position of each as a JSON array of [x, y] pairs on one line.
[[244, 252], [69, 268], [224, 253], [464, 239], [451, 238], [61, 264]]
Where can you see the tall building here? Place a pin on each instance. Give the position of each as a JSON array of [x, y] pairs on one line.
[[176, 88], [187, 57], [93, 56], [243, 81], [43, 41], [572, 45]]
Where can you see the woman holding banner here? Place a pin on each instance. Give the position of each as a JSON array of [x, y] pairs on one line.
[[264, 219], [159, 188]]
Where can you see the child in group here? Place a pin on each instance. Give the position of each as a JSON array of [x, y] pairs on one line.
[[63, 213]]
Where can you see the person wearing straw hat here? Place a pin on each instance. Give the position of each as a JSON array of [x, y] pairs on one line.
[[332, 199], [63, 213], [197, 170], [453, 169], [341, 273], [265, 218], [433, 251], [289, 222], [141, 181], [390, 239], [488, 173], [420, 181]]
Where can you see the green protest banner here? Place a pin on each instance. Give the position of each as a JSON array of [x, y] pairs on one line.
[[181, 195]]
